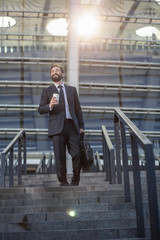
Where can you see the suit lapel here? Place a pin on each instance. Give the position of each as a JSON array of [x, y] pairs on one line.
[[52, 89], [67, 92]]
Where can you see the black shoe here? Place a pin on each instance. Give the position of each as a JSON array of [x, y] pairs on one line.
[[74, 184], [64, 184]]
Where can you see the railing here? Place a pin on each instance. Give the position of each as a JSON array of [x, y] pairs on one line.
[[20, 138], [121, 123], [46, 168], [85, 109], [50, 165], [99, 164], [41, 166], [85, 85], [108, 156]]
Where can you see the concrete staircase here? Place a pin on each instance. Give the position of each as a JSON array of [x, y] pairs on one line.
[[41, 210]]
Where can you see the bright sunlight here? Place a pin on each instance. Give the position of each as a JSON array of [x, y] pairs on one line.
[[87, 26]]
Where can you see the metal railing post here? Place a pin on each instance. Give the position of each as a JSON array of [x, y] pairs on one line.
[[11, 168], [24, 154], [3, 157], [137, 189], [112, 167], [19, 160], [125, 164], [108, 156], [105, 158], [117, 146], [152, 192], [43, 164]]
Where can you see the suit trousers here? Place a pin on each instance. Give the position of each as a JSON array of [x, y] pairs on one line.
[[69, 138]]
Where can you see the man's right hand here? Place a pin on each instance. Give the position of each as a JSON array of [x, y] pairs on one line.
[[53, 102]]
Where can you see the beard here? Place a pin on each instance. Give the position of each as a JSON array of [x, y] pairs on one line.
[[56, 78]]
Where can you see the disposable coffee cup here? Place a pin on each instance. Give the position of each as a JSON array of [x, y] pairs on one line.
[[57, 96]]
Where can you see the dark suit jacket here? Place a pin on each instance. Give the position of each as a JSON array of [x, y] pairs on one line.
[[57, 114]]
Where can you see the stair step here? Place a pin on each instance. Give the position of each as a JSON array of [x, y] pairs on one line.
[[63, 208], [111, 201], [85, 234], [39, 236], [61, 215], [39, 209], [65, 225]]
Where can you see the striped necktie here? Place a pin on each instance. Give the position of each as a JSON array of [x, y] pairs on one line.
[[61, 99], [61, 94]]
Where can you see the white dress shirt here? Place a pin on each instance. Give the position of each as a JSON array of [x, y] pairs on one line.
[[68, 115]]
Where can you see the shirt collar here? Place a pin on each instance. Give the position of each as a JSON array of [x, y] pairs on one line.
[[56, 85]]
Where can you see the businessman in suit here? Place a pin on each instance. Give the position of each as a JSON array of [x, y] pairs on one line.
[[65, 124]]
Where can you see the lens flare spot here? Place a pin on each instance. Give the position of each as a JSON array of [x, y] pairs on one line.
[[87, 25], [72, 213]]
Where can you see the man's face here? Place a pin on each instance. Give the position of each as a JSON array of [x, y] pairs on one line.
[[56, 74]]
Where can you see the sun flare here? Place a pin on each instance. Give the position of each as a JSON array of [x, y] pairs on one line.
[[87, 25]]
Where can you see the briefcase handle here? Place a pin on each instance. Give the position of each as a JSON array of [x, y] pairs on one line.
[[82, 138]]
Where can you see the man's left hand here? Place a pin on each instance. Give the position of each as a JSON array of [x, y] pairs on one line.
[[81, 130]]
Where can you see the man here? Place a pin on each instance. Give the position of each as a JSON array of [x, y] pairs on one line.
[[65, 124]]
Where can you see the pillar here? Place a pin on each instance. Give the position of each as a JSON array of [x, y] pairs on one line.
[[73, 45]]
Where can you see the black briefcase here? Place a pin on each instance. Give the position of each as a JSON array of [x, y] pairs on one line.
[[86, 154]]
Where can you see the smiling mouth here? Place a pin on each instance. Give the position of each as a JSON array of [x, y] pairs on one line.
[[56, 75]]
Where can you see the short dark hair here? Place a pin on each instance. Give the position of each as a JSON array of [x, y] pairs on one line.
[[57, 65]]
